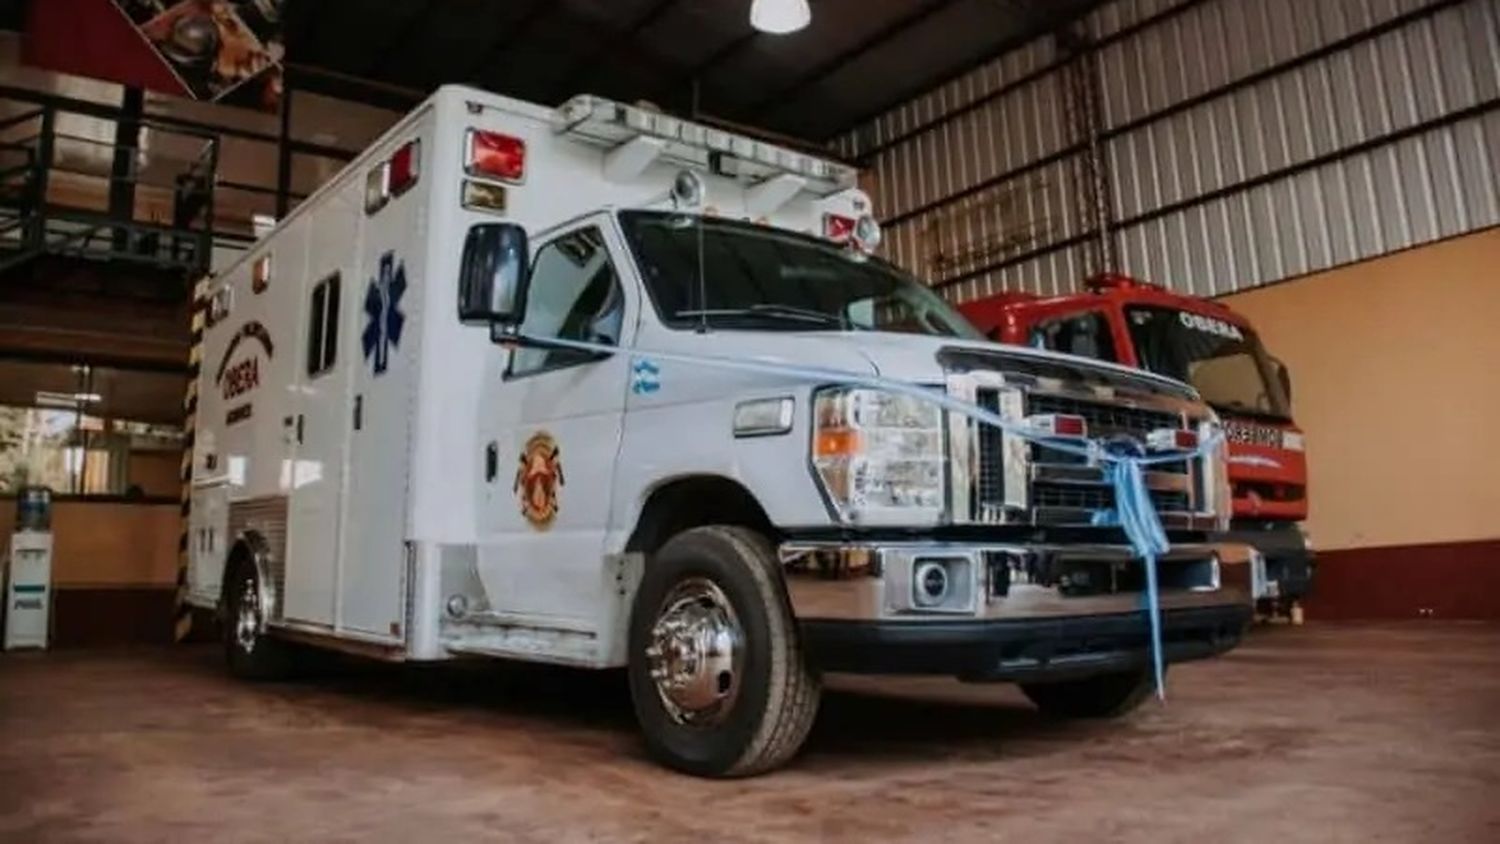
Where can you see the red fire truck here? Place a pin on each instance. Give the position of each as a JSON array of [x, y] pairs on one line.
[[1216, 350]]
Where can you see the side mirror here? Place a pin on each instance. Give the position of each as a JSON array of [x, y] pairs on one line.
[[1284, 377], [492, 276]]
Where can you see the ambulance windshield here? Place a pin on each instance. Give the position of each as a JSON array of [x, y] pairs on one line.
[[761, 278]]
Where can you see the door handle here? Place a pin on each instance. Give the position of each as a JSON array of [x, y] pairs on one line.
[[359, 412], [299, 429], [491, 461]]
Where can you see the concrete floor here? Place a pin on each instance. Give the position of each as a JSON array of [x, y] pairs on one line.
[[1319, 734]]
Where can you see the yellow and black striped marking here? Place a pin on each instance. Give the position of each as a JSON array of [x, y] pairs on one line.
[[183, 619]]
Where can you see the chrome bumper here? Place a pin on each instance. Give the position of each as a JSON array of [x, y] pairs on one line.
[[844, 581]]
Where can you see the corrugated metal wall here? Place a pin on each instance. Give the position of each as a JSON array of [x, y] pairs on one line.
[[1248, 141]]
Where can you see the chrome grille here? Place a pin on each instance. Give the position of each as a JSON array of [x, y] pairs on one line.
[[991, 440], [1060, 487], [1105, 418], [1100, 497]]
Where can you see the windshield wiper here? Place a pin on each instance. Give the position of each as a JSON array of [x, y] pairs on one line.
[[1237, 406], [771, 309]]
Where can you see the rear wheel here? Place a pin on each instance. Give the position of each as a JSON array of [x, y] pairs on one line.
[[1104, 696], [717, 675], [250, 653]]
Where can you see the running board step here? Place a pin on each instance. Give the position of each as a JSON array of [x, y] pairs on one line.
[[533, 644]]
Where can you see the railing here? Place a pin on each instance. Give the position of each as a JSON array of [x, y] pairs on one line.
[[144, 206]]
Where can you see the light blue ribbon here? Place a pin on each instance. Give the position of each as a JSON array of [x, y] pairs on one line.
[[1134, 511]]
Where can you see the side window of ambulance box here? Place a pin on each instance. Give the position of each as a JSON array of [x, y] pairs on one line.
[[323, 326], [1085, 334], [574, 294]]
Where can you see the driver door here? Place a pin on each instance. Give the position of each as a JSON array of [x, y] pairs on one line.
[[557, 424]]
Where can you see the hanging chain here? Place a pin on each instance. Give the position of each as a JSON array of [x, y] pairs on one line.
[[1083, 102]]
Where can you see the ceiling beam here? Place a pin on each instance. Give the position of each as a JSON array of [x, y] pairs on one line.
[[1036, 22], [724, 53], [509, 33], [588, 69], [345, 86], [400, 38], [731, 48], [683, 83], [790, 92], [13, 15]]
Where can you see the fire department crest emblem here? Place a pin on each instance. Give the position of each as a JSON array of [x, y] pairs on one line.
[[538, 476]]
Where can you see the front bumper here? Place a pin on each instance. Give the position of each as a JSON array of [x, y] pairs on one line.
[[1013, 610], [1021, 650], [1290, 563]]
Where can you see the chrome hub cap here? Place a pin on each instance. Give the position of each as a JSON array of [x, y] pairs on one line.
[[696, 653], [247, 618]]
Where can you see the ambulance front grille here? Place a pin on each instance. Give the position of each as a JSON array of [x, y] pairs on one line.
[[267, 517], [1061, 488]]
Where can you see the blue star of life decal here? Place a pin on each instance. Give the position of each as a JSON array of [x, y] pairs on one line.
[[383, 317]]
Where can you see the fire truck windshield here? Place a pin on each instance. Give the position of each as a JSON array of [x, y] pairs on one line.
[[1225, 362], [766, 279]]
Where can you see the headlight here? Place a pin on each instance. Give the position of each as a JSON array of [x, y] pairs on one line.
[[879, 455]]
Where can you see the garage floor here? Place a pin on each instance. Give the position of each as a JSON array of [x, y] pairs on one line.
[[1320, 734]]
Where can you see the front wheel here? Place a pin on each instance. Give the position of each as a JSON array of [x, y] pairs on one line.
[[1103, 696], [717, 675]]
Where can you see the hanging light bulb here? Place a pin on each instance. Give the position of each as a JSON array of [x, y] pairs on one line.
[[779, 17]]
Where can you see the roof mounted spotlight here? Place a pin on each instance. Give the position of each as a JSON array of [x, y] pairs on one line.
[[779, 17], [687, 191], [866, 234]]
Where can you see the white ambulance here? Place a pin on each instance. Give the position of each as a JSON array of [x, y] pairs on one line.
[[392, 460]]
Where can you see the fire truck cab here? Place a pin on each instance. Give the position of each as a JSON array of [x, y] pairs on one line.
[[1208, 345]]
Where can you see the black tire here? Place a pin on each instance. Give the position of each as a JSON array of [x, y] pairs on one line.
[[249, 655], [1103, 696], [776, 694]]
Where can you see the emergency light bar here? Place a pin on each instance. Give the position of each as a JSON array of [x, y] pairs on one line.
[[608, 123], [838, 228], [391, 178], [495, 155]]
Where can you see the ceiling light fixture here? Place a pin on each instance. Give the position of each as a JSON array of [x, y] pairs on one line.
[[779, 17]]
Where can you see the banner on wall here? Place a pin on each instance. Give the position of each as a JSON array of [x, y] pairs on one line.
[[226, 51], [220, 50]]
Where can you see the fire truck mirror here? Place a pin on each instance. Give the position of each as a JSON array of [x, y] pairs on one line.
[[1285, 377], [492, 276]]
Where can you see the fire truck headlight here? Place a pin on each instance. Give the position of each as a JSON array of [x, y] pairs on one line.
[[878, 456]]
